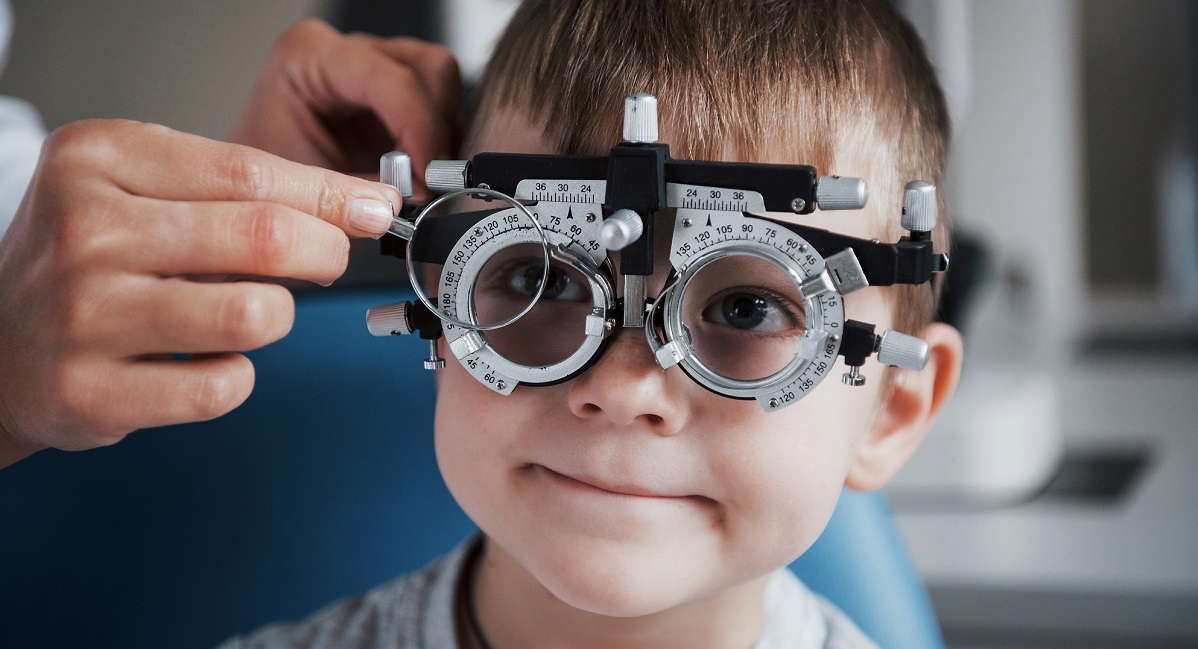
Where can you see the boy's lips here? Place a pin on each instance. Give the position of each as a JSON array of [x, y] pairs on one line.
[[578, 480]]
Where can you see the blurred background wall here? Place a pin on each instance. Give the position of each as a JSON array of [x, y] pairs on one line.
[[188, 65]]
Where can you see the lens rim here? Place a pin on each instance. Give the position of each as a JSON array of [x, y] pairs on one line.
[[602, 303], [675, 329], [430, 304]]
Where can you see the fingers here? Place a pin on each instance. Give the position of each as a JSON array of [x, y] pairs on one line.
[[341, 101], [154, 161], [143, 316], [435, 67], [417, 114], [115, 398], [265, 239]]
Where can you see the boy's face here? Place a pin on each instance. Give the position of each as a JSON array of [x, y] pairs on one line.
[[628, 490]]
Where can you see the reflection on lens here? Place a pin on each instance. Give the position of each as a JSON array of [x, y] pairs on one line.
[[451, 248], [554, 328], [745, 317]]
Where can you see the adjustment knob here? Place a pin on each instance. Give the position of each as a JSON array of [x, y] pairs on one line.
[[901, 350], [919, 206], [620, 229], [444, 176], [395, 169], [837, 193], [389, 319], [640, 118]]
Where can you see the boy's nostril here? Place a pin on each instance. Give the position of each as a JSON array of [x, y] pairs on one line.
[[655, 420]]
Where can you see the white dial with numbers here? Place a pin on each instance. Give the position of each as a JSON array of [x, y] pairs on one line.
[[571, 231], [704, 239]]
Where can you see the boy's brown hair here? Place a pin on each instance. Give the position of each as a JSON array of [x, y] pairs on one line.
[[829, 83]]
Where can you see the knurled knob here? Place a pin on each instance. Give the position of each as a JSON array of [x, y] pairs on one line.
[[919, 206], [901, 350], [640, 118], [620, 229], [837, 193], [444, 176], [389, 319], [395, 169]]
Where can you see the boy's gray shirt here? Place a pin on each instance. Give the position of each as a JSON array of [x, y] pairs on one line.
[[416, 611]]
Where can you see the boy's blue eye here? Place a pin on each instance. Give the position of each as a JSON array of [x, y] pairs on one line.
[[750, 311]]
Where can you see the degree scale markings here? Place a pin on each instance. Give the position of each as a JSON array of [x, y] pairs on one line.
[[562, 224], [592, 192], [678, 195], [713, 229]]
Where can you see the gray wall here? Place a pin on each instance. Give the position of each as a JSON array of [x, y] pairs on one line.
[[189, 65]]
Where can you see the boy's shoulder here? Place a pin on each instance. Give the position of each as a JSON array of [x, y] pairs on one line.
[[416, 611]]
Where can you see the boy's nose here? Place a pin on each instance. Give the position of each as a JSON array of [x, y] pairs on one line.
[[628, 388]]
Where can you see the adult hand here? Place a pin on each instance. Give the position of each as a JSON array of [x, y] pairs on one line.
[[341, 101], [99, 270]]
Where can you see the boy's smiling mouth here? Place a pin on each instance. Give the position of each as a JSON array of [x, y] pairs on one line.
[[598, 486]]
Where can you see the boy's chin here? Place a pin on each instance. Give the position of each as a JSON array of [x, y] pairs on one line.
[[618, 582]]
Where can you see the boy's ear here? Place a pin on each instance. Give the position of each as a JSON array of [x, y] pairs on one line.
[[914, 402]]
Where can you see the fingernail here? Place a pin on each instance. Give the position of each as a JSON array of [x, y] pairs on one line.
[[369, 215]]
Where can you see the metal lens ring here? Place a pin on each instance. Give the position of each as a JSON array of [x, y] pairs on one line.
[[483, 355], [748, 256], [450, 309]]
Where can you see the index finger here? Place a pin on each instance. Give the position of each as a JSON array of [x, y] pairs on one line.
[[170, 165]]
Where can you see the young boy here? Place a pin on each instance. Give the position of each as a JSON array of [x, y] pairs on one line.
[[631, 507]]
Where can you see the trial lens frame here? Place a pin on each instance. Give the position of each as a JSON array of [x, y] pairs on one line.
[[585, 206]]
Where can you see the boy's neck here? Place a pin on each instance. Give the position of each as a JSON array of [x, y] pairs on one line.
[[513, 609]]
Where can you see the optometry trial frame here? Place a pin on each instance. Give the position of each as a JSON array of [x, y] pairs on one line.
[[567, 213]]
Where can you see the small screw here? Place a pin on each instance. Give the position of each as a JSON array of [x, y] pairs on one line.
[[834, 338], [803, 247], [478, 232], [608, 325], [590, 218], [798, 205], [686, 223], [484, 186], [501, 385], [773, 403], [875, 241], [853, 377]]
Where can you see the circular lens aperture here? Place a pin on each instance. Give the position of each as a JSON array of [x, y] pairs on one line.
[[458, 239], [555, 327], [744, 316]]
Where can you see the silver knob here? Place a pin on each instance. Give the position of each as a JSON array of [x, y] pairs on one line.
[[901, 350], [640, 118], [389, 319], [444, 176], [837, 193], [853, 377], [919, 206], [395, 169], [435, 362], [620, 229]]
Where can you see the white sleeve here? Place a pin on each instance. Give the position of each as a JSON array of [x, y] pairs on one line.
[[21, 135]]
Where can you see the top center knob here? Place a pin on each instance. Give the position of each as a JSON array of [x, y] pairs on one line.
[[640, 118]]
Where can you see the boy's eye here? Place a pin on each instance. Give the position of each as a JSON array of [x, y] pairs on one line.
[[752, 310], [524, 278]]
